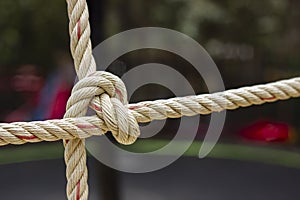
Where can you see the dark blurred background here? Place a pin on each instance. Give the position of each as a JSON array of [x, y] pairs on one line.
[[251, 42]]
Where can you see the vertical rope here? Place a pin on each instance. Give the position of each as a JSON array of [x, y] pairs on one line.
[[81, 50]]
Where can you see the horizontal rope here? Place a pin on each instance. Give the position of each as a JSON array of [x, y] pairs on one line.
[[208, 103], [84, 127]]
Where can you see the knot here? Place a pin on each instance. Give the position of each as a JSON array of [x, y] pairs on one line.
[[106, 94]]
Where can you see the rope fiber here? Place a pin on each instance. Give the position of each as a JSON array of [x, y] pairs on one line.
[[83, 127], [106, 94]]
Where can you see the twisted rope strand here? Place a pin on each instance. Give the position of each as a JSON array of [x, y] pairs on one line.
[[84, 127], [205, 104], [51, 130], [107, 96], [81, 50]]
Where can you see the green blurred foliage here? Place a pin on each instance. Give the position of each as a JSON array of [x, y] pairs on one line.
[[266, 32], [268, 28], [32, 31], [251, 41]]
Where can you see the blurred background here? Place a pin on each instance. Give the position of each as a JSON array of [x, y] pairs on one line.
[[251, 42]]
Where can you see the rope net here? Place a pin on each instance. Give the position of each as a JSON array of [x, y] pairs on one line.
[[83, 127], [106, 94]]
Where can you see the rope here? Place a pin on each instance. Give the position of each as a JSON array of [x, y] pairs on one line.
[[81, 50], [84, 127], [208, 103], [51, 130], [109, 97], [106, 94]]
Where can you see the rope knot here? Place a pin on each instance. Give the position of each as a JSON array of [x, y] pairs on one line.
[[106, 94]]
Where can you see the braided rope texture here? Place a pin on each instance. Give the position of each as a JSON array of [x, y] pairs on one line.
[[84, 127], [81, 50], [106, 94]]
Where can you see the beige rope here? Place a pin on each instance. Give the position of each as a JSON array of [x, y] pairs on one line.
[[51, 130], [81, 49], [84, 127], [217, 102], [106, 94], [109, 104]]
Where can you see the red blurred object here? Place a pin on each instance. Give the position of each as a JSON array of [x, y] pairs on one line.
[[267, 131], [58, 104]]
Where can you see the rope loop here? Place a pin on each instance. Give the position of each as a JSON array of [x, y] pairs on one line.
[[106, 94]]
